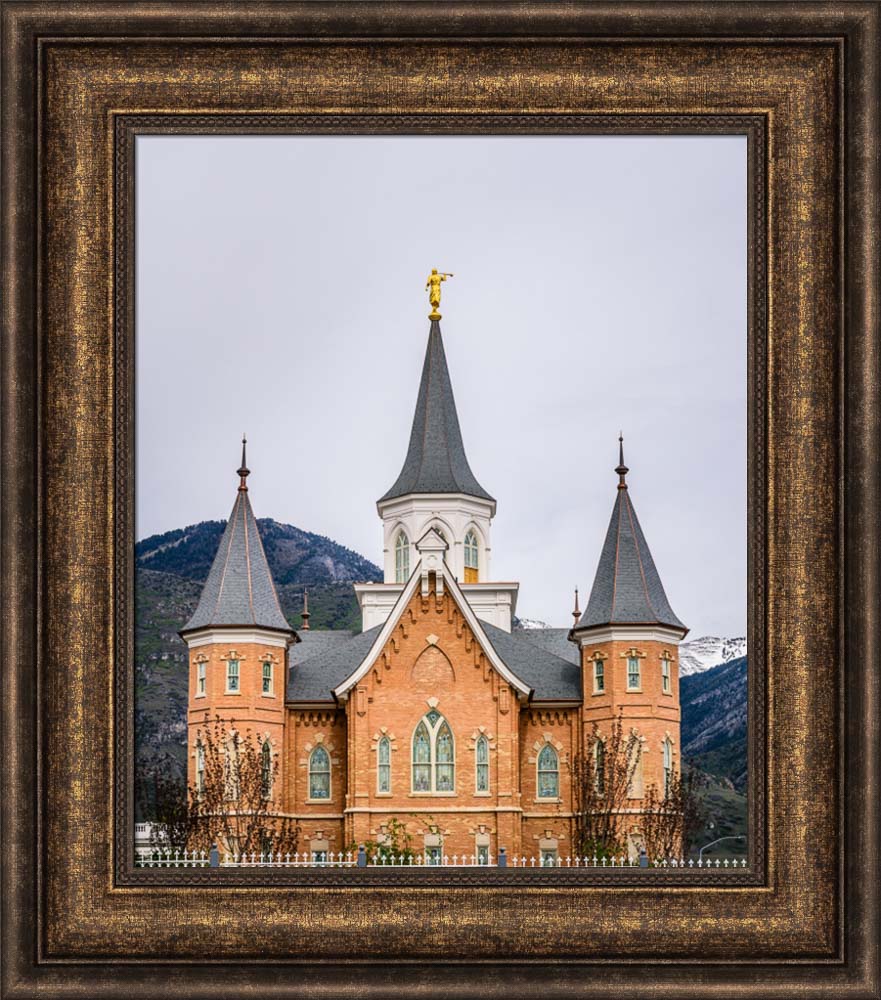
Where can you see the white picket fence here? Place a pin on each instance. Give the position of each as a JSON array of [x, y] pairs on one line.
[[152, 858]]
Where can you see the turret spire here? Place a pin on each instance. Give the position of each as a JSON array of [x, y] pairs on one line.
[[239, 590], [244, 471], [305, 612], [627, 588], [622, 469], [576, 614]]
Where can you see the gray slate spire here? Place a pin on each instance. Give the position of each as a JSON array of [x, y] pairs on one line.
[[627, 589], [436, 461], [239, 589]]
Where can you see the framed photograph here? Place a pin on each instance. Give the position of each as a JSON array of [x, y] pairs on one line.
[[525, 640]]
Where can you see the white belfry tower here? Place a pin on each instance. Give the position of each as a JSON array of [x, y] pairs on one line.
[[437, 489]]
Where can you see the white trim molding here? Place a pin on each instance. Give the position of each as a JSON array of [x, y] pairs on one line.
[[433, 561]]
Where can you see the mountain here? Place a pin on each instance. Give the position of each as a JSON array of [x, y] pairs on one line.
[[294, 555], [698, 655], [527, 623], [714, 709]]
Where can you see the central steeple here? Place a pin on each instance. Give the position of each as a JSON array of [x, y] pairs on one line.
[[436, 461], [436, 490]]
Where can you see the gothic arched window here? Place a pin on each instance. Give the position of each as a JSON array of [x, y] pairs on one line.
[[481, 756], [402, 558], [434, 755], [384, 765], [548, 773], [266, 769], [472, 557], [319, 774]]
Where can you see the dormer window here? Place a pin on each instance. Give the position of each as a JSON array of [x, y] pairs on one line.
[[402, 558], [471, 558]]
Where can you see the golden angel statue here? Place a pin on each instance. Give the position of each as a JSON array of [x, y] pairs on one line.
[[433, 286]]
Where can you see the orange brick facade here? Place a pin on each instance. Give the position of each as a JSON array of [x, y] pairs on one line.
[[433, 662]]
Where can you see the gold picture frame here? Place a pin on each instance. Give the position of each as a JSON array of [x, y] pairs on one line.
[[79, 83]]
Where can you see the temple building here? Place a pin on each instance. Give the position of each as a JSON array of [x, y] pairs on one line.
[[440, 715]]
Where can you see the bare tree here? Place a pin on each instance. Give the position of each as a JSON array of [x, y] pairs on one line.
[[172, 824], [230, 801], [602, 775], [670, 821]]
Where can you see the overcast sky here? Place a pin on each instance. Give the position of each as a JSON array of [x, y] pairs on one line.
[[600, 283]]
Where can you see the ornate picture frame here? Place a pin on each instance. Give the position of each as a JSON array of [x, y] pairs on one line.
[[79, 83]]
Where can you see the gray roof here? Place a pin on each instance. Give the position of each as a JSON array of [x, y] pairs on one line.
[[627, 589], [553, 640], [551, 677], [436, 461], [324, 659], [239, 589]]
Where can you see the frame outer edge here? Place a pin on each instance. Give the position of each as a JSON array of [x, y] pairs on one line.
[[861, 479], [861, 473], [420, 18], [19, 492]]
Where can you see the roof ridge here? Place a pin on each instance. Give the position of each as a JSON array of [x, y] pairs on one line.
[[636, 545], [226, 558], [617, 557], [248, 559]]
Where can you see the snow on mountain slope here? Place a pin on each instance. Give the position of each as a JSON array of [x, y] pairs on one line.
[[708, 651]]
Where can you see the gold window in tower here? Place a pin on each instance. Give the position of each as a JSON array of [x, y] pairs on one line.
[[471, 558]]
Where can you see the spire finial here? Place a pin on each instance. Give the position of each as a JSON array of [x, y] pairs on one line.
[[576, 614], [622, 469], [305, 612], [244, 471], [433, 287]]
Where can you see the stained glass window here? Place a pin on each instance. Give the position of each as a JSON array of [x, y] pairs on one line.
[[633, 673], [599, 753], [402, 558], [266, 768], [319, 774], [599, 675], [434, 755], [548, 773], [471, 558], [482, 756], [444, 757], [421, 759], [384, 765]]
